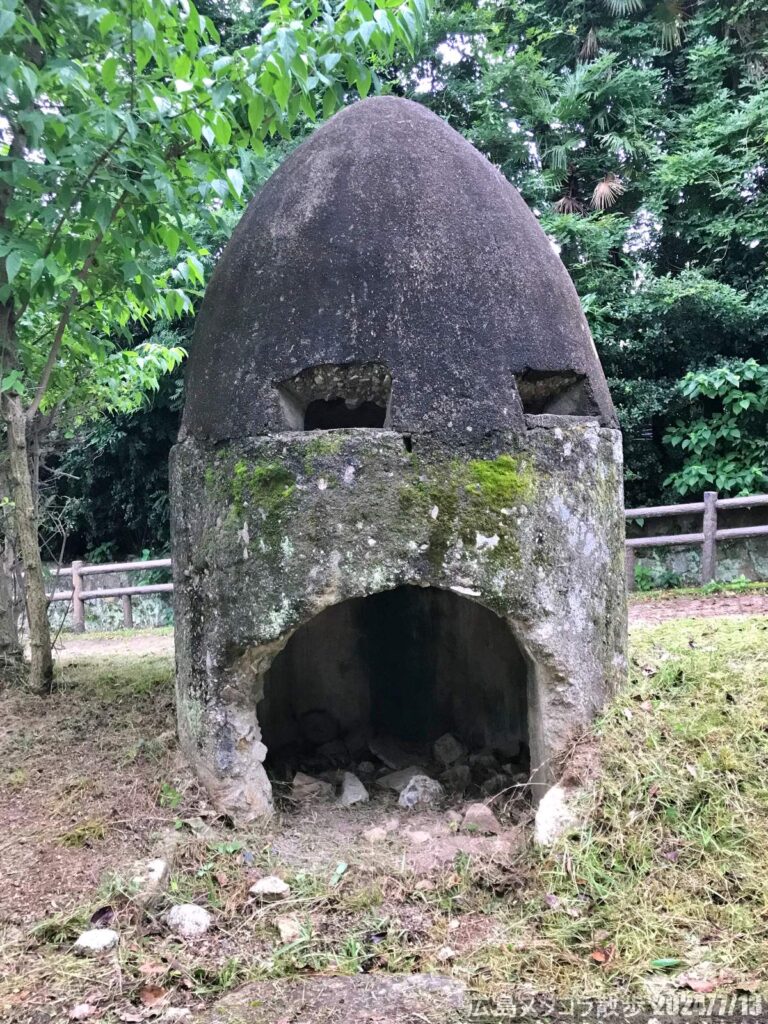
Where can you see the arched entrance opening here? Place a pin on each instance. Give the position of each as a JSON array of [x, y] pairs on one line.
[[402, 667]]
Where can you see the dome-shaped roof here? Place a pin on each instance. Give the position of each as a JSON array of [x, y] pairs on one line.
[[387, 242]]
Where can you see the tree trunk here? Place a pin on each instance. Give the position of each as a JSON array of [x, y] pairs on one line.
[[11, 654], [41, 661]]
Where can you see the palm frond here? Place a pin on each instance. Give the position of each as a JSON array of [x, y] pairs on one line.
[[670, 15], [556, 157], [607, 192], [568, 204], [621, 8], [590, 46]]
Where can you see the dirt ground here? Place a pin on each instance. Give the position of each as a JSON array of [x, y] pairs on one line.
[[674, 607], [92, 780]]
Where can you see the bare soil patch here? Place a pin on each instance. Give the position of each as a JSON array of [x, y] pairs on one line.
[[92, 780], [674, 607]]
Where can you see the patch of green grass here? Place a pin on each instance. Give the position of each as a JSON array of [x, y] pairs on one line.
[[672, 861], [112, 676]]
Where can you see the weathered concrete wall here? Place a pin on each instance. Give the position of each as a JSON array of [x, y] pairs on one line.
[[269, 531]]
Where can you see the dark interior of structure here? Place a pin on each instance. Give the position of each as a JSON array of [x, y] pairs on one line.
[[558, 393], [337, 414], [406, 665]]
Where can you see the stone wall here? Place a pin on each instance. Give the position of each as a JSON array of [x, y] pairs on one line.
[[681, 566]]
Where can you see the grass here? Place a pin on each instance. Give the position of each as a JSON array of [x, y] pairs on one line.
[[672, 864], [667, 873]]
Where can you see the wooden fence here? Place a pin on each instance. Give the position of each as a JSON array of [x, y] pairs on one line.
[[707, 538], [79, 594]]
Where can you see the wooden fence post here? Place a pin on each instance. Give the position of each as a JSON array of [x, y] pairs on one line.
[[127, 612], [629, 565], [709, 547], [78, 604]]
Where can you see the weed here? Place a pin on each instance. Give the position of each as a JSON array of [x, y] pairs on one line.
[[84, 834], [168, 795], [18, 778]]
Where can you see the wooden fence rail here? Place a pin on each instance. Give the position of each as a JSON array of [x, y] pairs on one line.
[[78, 595], [707, 538]]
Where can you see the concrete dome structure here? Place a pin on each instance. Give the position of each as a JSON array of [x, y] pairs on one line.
[[387, 240], [397, 494]]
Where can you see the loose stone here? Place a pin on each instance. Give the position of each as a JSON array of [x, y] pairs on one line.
[[149, 881], [479, 817], [352, 791], [421, 791], [375, 835], [397, 781], [554, 816], [458, 778], [307, 789], [388, 752], [96, 941], [447, 749], [288, 927], [188, 920], [270, 889]]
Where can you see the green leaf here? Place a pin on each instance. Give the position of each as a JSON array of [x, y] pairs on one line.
[[255, 113], [222, 130], [7, 19], [236, 180], [12, 265], [282, 90], [37, 272], [109, 71], [170, 239]]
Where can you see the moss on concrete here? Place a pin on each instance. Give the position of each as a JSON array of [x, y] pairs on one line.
[[467, 499], [267, 486]]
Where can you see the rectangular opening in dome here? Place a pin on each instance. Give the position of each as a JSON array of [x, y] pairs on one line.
[[336, 396], [558, 393]]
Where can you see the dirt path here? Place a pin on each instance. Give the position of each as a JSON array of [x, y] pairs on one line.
[[156, 642], [71, 646], [663, 609]]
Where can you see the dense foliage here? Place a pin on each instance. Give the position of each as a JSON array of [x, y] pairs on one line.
[[124, 126], [637, 131]]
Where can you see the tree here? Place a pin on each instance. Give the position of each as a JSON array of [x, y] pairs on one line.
[[636, 130], [724, 435], [122, 121]]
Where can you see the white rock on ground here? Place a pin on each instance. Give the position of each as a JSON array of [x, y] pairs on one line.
[[288, 927], [96, 941], [270, 889], [305, 788], [421, 791], [188, 920], [478, 817], [352, 791], [447, 749], [149, 880], [555, 815]]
